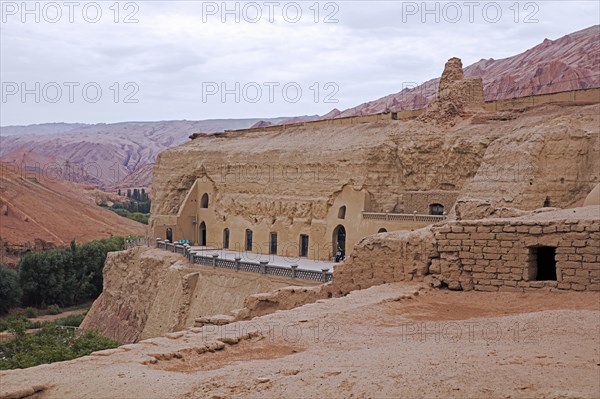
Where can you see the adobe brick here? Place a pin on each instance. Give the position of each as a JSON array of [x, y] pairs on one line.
[[588, 250], [488, 288], [535, 230]]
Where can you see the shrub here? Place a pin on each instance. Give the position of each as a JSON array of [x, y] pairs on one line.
[[53, 309], [70, 321], [51, 344], [30, 313], [10, 291]]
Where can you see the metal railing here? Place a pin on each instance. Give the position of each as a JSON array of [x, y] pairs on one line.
[[402, 217], [238, 264]]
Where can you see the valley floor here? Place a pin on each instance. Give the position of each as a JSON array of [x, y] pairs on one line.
[[390, 341]]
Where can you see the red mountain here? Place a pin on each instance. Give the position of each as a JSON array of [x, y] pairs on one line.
[[571, 62]]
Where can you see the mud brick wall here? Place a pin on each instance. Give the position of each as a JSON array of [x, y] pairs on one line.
[[492, 255]]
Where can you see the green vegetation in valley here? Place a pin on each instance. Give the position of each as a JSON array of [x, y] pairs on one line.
[[50, 344], [137, 206], [69, 321], [56, 278]]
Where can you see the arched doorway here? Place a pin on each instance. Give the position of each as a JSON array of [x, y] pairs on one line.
[[436, 209], [382, 230], [339, 240], [202, 238], [169, 234], [249, 237], [226, 238]]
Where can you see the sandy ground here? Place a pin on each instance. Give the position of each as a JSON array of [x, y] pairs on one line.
[[390, 341]]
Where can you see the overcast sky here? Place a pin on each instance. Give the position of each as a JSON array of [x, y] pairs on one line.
[[96, 62]]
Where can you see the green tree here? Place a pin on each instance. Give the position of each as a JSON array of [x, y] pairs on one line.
[[65, 277], [10, 291]]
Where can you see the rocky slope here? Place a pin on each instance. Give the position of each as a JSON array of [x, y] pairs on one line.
[[568, 63], [38, 212]]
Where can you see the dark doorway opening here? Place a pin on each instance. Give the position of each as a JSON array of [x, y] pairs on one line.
[[303, 245], [436, 209], [248, 240], [339, 240], [273, 244], [202, 238], [226, 238], [542, 263], [382, 230], [170, 234]]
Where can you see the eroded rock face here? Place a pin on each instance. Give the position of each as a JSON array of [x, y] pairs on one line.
[[453, 72], [151, 292], [456, 97]]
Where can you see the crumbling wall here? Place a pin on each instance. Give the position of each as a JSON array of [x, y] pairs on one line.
[[496, 254], [386, 258]]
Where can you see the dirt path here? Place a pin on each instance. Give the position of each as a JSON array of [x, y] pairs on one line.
[[52, 317]]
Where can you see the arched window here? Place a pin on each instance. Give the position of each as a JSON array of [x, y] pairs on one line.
[[248, 240], [342, 212], [436, 209], [382, 230], [202, 238], [204, 201], [226, 238]]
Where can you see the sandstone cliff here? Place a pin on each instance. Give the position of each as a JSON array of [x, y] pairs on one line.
[[514, 159], [151, 292]]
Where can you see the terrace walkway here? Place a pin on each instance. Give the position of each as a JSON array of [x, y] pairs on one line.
[[300, 268]]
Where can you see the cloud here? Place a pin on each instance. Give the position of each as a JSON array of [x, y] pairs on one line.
[[176, 48]]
